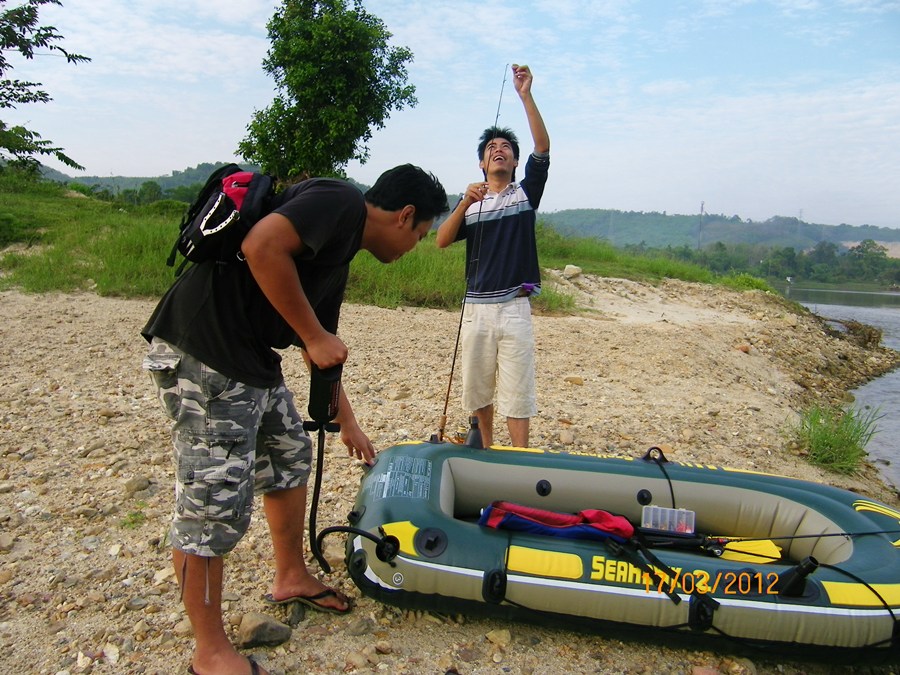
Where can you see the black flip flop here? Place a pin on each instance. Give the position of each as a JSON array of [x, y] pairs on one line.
[[310, 601], [254, 667]]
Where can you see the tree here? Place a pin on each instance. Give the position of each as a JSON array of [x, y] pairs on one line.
[[149, 192], [19, 31], [184, 193], [782, 262], [337, 78], [867, 260], [823, 253]]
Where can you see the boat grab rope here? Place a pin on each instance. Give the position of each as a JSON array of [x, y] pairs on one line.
[[874, 591], [655, 455]]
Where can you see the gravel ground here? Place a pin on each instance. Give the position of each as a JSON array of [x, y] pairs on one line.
[[86, 586]]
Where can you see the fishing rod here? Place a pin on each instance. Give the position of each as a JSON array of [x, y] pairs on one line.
[[818, 536], [442, 425]]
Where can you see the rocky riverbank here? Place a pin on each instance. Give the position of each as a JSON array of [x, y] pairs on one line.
[[86, 586]]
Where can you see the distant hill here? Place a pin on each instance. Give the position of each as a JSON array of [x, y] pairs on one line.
[[188, 177], [620, 228], [191, 177], [659, 230]]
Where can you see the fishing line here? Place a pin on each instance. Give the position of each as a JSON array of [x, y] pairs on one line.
[[477, 251]]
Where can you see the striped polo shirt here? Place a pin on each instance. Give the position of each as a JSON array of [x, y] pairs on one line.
[[501, 250]]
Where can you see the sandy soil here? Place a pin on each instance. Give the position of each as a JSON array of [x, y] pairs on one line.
[[709, 375]]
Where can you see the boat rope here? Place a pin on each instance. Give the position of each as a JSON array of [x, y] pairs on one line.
[[442, 424], [703, 606], [701, 612], [655, 455], [864, 583]]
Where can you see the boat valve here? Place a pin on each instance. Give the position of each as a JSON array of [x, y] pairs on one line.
[[388, 548], [793, 582], [473, 436]]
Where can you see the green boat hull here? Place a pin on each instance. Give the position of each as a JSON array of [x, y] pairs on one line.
[[421, 501]]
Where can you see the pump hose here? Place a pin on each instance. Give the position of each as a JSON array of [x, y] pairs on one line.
[[386, 547]]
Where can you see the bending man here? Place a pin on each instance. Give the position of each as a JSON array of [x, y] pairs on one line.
[[236, 430]]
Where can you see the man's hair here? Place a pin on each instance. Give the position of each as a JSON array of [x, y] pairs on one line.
[[409, 184], [497, 132]]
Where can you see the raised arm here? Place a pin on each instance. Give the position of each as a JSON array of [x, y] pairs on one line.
[[522, 80]]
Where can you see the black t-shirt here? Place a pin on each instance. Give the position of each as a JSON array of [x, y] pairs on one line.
[[218, 314]]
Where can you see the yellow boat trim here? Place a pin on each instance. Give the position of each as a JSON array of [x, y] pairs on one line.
[[883, 509], [544, 563], [513, 449], [759, 551], [875, 507], [859, 595], [405, 532], [753, 473]]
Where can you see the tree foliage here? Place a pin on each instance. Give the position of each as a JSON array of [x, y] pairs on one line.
[[867, 262], [20, 32], [337, 78]]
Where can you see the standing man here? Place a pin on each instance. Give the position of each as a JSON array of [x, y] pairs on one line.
[[496, 217], [236, 430]]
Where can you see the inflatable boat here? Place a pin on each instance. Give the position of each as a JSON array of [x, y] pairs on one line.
[[600, 542]]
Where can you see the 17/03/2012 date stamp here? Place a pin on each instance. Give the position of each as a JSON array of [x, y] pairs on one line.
[[727, 583]]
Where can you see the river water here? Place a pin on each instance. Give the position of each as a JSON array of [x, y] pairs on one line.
[[881, 310]]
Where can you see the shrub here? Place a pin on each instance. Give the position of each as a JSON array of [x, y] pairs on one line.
[[835, 438], [746, 282]]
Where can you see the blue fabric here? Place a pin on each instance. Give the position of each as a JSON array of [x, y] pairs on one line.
[[500, 518]]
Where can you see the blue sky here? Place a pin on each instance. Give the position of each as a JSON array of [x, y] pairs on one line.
[[754, 107]]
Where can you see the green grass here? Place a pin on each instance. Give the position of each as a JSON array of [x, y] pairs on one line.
[[426, 277], [835, 438], [54, 241], [136, 518]]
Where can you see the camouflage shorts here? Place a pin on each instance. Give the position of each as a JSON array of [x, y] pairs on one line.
[[230, 439]]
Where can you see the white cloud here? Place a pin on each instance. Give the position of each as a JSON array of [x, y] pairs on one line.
[[650, 106]]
